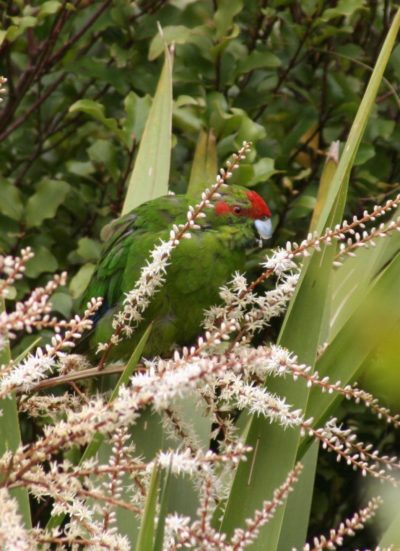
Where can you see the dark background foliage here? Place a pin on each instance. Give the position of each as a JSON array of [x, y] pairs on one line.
[[287, 75]]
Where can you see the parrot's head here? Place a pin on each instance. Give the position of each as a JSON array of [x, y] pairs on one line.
[[239, 204]]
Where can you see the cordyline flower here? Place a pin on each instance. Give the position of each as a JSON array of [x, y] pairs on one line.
[[221, 370]]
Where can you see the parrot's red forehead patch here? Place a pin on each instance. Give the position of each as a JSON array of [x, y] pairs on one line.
[[258, 209]]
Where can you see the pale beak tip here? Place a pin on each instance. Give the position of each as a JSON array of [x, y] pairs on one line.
[[264, 228]]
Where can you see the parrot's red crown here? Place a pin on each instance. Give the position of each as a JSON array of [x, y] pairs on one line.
[[258, 210]]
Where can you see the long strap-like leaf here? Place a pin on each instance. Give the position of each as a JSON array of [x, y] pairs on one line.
[[150, 174], [275, 450]]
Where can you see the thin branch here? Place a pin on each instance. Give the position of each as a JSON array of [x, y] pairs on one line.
[[20, 120], [59, 54]]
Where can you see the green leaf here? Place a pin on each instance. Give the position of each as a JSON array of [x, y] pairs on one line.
[[345, 8], [159, 538], [80, 281], [306, 202], [10, 200], [24, 22], [204, 167], [147, 527], [177, 34], [80, 168], [184, 101], [252, 174], [352, 281], [43, 261], [11, 33], [227, 9], [150, 174], [375, 314], [43, 204], [61, 302], [186, 119], [98, 69], [96, 110], [327, 175], [49, 8], [381, 129], [243, 175], [364, 154], [249, 129], [92, 108], [263, 170], [89, 249], [299, 504], [258, 60], [132, 363], [391, 536], [137, 110], [101, 151]]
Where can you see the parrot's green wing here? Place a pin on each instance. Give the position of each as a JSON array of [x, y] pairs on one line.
[[107, 280], [129, 240]]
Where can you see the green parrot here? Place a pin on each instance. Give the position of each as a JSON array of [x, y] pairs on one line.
[[233, 227]]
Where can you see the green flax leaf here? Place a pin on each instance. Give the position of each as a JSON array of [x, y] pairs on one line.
[[204, 167], [164, 498], [375, 316], [299, 503], [150, 174], [147, 527], [327, 175], [275, 451], [391, 536]]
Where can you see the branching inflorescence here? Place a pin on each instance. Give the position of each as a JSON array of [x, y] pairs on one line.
[[346, 528], [223, 370]]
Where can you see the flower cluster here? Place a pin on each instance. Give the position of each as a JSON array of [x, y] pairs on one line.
[[3, 80], [282, 259], [13, 268], [346, 528], [367, 238], [254, 311], [12, 532], [223, 372], [199, 534], [34, 312]]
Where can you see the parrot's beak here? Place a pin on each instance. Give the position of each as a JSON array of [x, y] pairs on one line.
[[264, 228]]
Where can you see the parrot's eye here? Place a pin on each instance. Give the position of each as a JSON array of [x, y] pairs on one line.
[[237, 209]]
